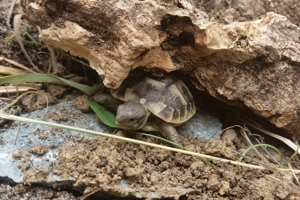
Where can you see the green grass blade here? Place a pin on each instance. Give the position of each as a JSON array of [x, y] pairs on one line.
[[45, 78], [28, 78], [261, 145], [105, 116], [82, 87], [30, 37], [10, 38]]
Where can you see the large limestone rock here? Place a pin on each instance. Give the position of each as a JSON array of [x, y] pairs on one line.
[[242, 52]]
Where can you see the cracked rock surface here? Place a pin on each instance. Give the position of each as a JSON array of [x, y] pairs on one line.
[[245, 53]]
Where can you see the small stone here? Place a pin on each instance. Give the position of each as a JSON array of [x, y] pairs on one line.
[[225, 186]]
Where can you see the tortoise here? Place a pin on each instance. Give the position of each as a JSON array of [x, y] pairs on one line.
[[153, 104]]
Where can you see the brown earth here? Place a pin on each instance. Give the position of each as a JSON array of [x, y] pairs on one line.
[[99, 164], [102, 166]]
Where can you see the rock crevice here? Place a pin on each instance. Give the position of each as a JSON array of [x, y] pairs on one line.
[[247, 58]]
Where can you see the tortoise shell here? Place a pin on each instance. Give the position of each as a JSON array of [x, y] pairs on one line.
[[166, 97]]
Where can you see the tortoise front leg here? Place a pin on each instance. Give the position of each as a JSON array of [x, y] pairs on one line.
[[167, 130], [107, 100]]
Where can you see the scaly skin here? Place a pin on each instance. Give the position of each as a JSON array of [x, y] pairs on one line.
[[133, 116], [167, 130]]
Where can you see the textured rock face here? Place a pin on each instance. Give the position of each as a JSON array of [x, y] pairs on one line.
[[242, 52]]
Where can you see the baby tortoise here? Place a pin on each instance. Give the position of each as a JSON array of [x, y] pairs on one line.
[[167, 98]]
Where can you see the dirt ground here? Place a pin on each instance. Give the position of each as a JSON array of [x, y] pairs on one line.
[[99, 165]]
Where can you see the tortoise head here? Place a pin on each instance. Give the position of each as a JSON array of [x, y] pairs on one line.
[[132, 116]]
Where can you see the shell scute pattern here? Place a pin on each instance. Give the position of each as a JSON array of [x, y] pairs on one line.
[[166, 97]]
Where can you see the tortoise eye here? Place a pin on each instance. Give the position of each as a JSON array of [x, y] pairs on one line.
[[131, 120]]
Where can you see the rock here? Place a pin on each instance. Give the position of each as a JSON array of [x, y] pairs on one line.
[[204, 125], [240, 52], [37, 101], [57, 90], [40, 142], [121, 36], [226, 12]]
